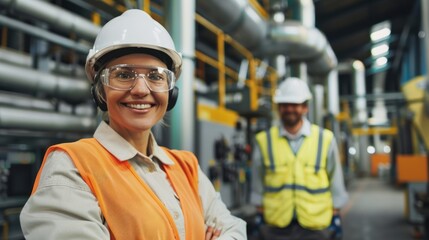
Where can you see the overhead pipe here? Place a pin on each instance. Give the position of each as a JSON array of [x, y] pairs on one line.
[[238, 19], [290, 38], [26, 80], [14, 118], [56, 16], [301, 44]]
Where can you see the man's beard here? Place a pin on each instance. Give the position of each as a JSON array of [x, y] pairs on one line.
[[291, 119]]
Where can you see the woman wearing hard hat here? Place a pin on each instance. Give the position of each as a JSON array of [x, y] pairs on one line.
[[120, 184]]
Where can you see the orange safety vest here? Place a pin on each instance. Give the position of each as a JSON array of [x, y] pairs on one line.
[[130, 207]]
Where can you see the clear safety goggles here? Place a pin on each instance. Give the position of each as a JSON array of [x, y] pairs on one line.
[[124, 77]]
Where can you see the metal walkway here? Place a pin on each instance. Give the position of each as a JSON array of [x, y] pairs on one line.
[[375, 211]]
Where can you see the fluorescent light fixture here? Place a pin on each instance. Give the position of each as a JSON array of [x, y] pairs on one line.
[[379, 49], [380, 34], [380, 31], [380, 61]]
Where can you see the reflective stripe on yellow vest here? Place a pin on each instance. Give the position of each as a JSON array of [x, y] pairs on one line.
[[298, 182], [130, 207]]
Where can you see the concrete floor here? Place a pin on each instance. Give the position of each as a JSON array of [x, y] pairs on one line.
[[375, 211]]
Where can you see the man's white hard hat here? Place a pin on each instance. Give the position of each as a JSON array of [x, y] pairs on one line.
[[292, 90], [133, 29]]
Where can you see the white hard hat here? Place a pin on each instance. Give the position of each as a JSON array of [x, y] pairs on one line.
[[133, 29], [292, 90]]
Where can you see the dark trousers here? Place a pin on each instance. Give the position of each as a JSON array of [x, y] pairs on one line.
[[292, 232]]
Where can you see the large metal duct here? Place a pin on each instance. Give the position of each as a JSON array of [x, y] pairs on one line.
[[13, 118], [26, 80], [57, 17], [290, 38]]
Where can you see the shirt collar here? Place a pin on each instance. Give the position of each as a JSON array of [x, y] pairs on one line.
[[304, 131], [122, 150]]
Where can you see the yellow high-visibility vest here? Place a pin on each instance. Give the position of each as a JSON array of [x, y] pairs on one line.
[[298, 182]]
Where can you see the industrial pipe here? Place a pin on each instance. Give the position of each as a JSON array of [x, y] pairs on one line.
[[56, 16], [43, 34], [26, 80], [13, 118], [290, 38]]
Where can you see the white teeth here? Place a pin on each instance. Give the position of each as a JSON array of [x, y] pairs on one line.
[[139, 106]]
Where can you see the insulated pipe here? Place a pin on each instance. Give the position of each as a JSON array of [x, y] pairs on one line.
[[357, 68], [43, 34], [16, 58], [333, 93], [13, 118], [237, 19], [319, 102], [15, 100], [26, 80], [290, 38], [55, 16], [25, 60], [182, 19]]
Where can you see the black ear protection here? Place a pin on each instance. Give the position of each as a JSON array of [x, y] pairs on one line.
[[173, 94], [100, 104]]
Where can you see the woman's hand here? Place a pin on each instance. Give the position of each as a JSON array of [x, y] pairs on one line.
[[214, 229], [212, 233]]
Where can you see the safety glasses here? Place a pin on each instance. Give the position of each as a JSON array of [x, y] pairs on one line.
[[124, 77]]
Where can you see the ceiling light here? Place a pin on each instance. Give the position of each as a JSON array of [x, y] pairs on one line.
[[379, 50], [380, 31], [380, 61], [380, 34], [279, 17]]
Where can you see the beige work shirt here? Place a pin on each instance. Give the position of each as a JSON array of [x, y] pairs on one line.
[[63, 207]]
